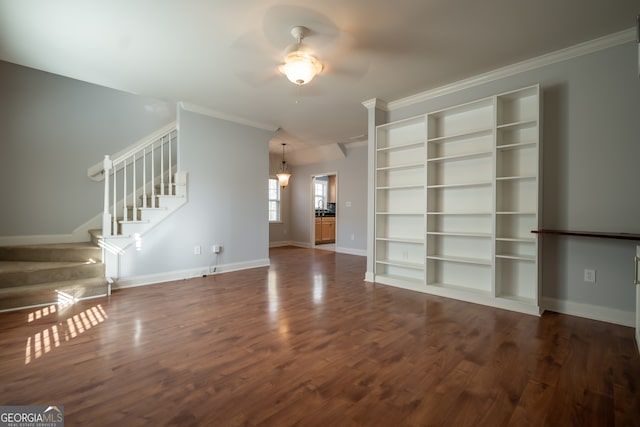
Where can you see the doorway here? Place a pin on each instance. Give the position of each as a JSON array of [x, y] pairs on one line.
[[324, 195]]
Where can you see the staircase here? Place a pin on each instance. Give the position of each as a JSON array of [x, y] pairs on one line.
[[37, 275], [142, 186]]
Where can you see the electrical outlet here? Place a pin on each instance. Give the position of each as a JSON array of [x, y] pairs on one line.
[[196, 250], [217, 249], [590, 276]]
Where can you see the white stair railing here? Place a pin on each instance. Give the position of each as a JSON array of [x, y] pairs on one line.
[[156, 154]]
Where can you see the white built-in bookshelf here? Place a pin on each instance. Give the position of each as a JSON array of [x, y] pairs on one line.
[[400, 180], [457, 195]]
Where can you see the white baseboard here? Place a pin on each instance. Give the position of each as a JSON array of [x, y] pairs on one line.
[[588, 311], [342, 250], [351, 251], [281, 244], [301, 244], [289, 243], [169, 276]]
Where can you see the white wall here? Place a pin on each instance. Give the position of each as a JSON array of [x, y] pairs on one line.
[[227, 165], [53, 129], [351, 203], [591, 162]]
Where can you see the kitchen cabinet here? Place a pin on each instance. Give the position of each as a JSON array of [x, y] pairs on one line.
[[325, 229], [318, 229], [332, 189]]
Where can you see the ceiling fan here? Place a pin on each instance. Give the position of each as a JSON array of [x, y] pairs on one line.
[[319, 47], [300, 64]]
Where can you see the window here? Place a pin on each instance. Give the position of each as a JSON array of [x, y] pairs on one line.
[[274, 200], [320, 193]]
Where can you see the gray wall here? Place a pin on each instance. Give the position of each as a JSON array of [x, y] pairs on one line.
[[351, 174], [53, 129], [591, 162], [227, 165]]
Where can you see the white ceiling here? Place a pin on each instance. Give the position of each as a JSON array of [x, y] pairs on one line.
[[223, 55]]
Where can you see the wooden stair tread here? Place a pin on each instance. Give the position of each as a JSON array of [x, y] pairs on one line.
[[31, 273], [78, 252], [36, 275], [34, 288], [16, 298], [30, 266], [82, 245]]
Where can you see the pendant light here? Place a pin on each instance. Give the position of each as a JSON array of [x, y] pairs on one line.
[[283, 174]]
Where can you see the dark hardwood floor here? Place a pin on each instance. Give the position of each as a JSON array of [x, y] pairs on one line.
[[307, 342]]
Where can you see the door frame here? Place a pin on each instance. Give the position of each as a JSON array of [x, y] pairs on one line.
[[312, 208], [636, 281]]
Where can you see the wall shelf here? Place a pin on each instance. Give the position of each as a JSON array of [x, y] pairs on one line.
[[460, 136], [594, 234]]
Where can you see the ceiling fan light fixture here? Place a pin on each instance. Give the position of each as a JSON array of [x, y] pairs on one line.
[[300, 67]]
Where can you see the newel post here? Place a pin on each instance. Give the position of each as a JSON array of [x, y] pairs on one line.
[[106, 216]]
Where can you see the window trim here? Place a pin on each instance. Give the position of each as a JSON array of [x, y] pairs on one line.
[[278, 201]]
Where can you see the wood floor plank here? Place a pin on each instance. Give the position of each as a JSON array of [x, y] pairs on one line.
[[307, 342]]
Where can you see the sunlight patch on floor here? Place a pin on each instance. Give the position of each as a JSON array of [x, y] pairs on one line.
[[41, 312], [52, 337]]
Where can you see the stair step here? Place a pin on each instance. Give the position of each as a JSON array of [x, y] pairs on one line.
[[149, 208], [52, 252], [128, 228], [122, 221], [21, 273], [14, 298]]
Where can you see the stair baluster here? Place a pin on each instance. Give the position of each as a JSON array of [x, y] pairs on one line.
[[144, 177], [114, 229], [106, 217], [134, 191], [170, 187], [125, 217], [162, 167], [153, 175], [125, 196]]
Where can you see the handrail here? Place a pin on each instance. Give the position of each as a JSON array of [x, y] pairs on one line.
[[95, 172], [123, 196]]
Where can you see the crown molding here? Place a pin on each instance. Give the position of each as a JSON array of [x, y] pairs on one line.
[[224, 116], [585, 48], [375, 103]]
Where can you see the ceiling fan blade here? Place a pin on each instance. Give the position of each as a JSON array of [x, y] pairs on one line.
[[253, 60]]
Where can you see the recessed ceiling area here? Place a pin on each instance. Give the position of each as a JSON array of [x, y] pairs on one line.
[[224, 56]]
